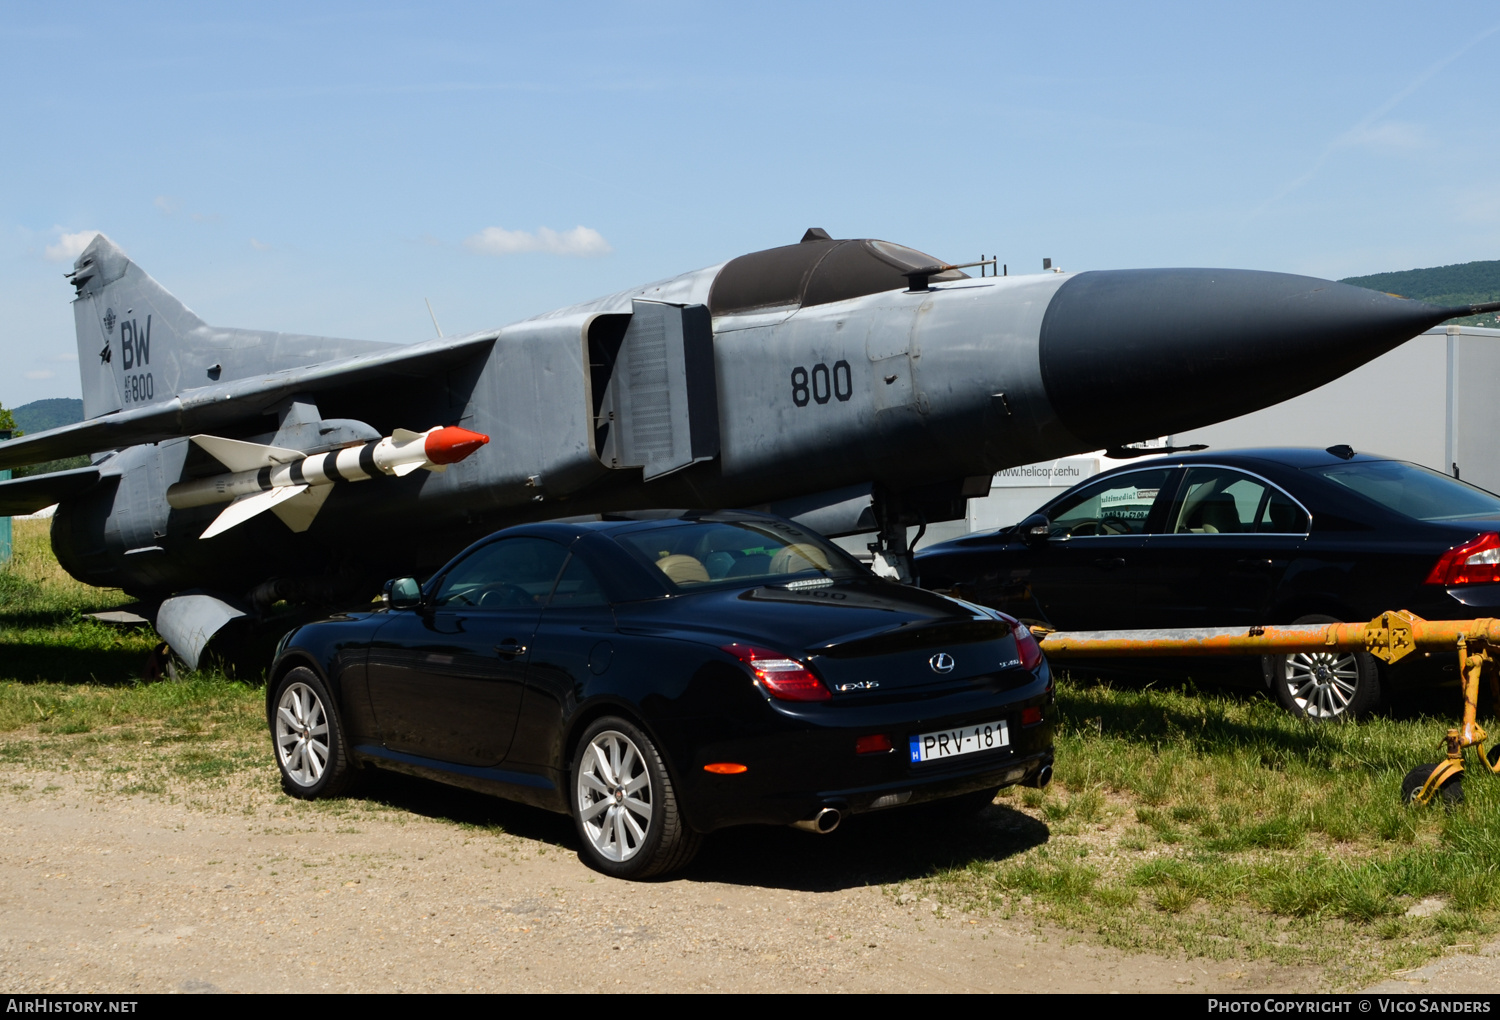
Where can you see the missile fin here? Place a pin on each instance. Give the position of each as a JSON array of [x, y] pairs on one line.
[[238, 455], [246, 507], [402, 470], [406, 435], [298, 512]]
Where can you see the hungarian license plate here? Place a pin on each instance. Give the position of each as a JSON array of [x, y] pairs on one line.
[[959, 740]]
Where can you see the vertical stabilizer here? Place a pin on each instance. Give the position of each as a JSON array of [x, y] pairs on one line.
[[137, 344], [128, 328]]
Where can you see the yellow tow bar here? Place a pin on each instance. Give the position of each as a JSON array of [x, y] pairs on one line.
[[1389, 637]]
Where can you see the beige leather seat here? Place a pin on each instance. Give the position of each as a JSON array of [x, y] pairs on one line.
[[682, 569], [798, 556]]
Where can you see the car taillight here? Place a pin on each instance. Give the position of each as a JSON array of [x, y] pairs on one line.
[[782, 677], [1027, 648], [1476, 562]]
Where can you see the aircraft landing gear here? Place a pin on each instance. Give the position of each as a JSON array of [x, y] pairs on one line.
[[892, 556]]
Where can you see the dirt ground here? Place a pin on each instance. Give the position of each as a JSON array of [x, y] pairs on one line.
[[418, 888]]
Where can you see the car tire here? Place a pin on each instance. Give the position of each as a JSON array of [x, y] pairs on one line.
[[1325, 686], [308, 737], [624, 805]]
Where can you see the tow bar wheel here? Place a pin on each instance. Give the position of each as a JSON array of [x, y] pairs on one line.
[[1451, 791]]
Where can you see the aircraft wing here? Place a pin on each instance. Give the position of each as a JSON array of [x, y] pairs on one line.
[[28, 495], [210, 408]]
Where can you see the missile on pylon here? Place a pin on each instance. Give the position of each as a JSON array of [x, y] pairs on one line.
[[294, 484]]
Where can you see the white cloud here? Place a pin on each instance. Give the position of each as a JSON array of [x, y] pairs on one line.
[[1392, 134], [39, 374], [583, 242], [69, 356], [166, 204], [259, 245], [69, 246]]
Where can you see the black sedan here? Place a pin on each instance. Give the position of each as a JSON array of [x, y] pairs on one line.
[[1264, 536], [661, 677]]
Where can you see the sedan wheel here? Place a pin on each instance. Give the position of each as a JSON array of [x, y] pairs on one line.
[[308, 737], [1322, 684], [1325, 685], [624, 805]]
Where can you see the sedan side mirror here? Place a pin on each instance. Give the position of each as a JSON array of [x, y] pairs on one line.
[[403, 593], [1035, 530]]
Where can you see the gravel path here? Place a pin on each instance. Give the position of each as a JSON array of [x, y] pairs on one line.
[[244, 890]]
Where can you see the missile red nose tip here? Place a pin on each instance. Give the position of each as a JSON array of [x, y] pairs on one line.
[[452, 444]]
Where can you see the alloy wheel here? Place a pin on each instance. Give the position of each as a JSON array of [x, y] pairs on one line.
[[302, 734], [1322, 684], [614, 796]]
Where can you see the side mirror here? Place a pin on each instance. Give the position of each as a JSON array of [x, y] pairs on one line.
[[1035, 530], [403, 593]]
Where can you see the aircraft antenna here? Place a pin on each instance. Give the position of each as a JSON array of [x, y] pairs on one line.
[[434, 318]]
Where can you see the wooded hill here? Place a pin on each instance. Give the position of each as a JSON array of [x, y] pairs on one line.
[[1463, 284]]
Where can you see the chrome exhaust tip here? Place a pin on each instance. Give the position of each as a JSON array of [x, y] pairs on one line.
[[824, 822], [1042, 777]]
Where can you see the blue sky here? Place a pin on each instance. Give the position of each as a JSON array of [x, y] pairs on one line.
[[323, 168]]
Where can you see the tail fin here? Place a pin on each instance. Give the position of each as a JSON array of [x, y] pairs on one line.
[[129, 331], [137, 344]]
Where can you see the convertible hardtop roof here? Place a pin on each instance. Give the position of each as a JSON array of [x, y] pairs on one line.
[[630, 519]]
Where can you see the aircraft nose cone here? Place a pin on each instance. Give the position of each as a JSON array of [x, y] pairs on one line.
[[1133, 354], [452, 444]]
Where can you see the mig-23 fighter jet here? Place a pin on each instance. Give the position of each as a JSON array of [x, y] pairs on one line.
[[857, 385]]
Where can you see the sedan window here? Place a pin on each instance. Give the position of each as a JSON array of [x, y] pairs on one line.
[[1413, 491], [511, 573], [1220, 501], [1117, 505]]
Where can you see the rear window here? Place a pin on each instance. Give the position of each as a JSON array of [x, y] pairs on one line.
[[695, 554], [1413, 491]]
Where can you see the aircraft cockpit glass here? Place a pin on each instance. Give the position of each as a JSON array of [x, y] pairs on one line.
[[694, 554], [908, 259], [816, 272]]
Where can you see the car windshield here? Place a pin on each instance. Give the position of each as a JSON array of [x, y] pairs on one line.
[[692, 554], [1413, 491]]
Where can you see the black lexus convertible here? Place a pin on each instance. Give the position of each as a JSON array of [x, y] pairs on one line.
[[658, 677]]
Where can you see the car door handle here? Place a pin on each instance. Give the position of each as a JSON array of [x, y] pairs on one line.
[[1109, 562], [510, 648]]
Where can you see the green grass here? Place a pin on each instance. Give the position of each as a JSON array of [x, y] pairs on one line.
[[44, 635], [63, 673], [1219, 826]]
